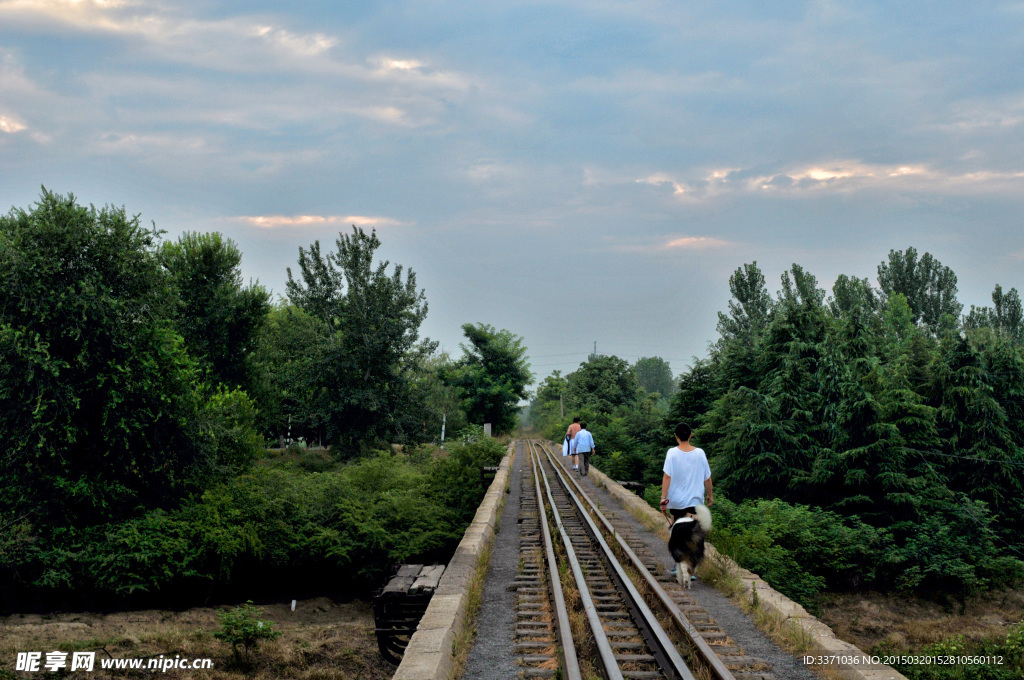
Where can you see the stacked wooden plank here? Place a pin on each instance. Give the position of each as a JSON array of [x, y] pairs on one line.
[[399, 606]]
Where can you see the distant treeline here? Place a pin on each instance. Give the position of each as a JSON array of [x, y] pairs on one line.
[[141, 381], [867, 438]]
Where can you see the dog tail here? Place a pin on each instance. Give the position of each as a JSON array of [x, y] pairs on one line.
[[704, 517]]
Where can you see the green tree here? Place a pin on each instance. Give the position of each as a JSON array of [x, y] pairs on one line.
[[928, 285], [218, 317], [492, 374], [1006, 315], [373, 319], [602, 384], [287, 387], [655, 376], [97, 408], [547, 408]]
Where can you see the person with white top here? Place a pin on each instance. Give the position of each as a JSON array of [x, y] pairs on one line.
[[583, 446], [687, 477]]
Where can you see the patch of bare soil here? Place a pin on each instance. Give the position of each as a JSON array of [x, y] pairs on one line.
[[321, 639], [904, 623]]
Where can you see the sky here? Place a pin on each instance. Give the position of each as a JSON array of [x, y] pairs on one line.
[[574, 172]]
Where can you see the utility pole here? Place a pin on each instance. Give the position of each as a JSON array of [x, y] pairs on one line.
[[561, 407], [595, 348]]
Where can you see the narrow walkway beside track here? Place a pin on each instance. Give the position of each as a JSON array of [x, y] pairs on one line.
[[493, 655]]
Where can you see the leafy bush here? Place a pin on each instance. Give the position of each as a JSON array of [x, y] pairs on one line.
[[346, 525], [243, 626], [798, 550]]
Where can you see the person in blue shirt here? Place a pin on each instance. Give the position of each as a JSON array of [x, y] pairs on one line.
[[583, 446]]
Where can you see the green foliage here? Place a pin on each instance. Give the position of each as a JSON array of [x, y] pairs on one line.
[[296, 518], [655, 376], [242, 626], [797, 549], [928, 285], [602, 384], [228, 419], [98, 411], [492, 375], [546, 407], [286, 364], [217, 316], [357, 377]]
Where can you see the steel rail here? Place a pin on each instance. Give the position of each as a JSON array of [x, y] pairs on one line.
[[661, 642], [570, 663], [714, 663], [604, 647]]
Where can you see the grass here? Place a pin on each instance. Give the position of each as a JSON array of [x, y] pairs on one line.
[[322, 640]]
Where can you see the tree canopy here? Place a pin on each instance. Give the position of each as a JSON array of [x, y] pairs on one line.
[[98, 408], [492, 374]]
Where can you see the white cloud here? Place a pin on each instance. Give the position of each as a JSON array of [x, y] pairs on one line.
[[835, 176], [283, 221], [696, 243], [11, 125]]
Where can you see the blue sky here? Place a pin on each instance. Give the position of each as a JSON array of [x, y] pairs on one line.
[[572, 171]]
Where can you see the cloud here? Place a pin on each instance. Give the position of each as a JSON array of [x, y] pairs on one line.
[[674, 244], [284, 221], [10, 125], [696, 243], [835, 176]]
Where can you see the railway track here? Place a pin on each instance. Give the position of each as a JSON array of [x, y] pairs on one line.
[[589, 602]]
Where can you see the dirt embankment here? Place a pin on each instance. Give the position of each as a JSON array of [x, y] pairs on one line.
[[321, 639], [902, 623]]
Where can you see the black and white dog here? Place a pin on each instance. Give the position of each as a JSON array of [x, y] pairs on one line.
[[686, 543]]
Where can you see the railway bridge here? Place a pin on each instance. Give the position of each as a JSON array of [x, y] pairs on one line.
[[565, 576]]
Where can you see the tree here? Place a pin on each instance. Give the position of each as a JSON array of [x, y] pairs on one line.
[[98, 411], [750, 312], [373, 321], [546, 413], [930, 287], [602, 384], [285, 368], [218, 317], [655, 376], [1006, 316], [492, 374]]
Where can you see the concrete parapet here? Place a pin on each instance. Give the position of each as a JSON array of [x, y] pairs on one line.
[[845, 658], [429, 654]]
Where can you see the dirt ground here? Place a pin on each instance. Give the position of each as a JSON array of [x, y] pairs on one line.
[[321, 639], [903, 623]]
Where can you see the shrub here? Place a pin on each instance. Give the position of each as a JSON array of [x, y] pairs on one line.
[[798, 550], [243, 626]]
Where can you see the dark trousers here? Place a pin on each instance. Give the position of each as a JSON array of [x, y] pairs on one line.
[[685, 512], [585, 462]]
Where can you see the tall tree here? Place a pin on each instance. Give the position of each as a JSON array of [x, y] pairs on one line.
[[1006, 315], [928, 285], [373, 319], [493, 375], [219, 317], [655, 376], [98, 413], [602, 384]]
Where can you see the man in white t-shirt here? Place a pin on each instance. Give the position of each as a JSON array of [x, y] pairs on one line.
[[687, 477]]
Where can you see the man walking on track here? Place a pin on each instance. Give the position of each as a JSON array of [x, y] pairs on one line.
[[583, 445], [570, 435], [687, 478]]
